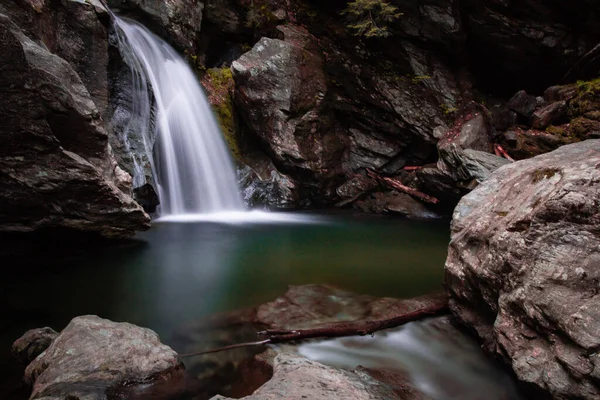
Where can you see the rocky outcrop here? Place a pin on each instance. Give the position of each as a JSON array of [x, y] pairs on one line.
[[57, 168], [522, 268], [94, 358], [179, 21]]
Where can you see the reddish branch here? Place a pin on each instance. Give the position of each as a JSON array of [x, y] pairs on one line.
[[394, 184], [500, 152], [412, 168], [354, 328]]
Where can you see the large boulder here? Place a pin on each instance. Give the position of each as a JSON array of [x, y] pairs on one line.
[[93, 358], [522, 268], [280, 91], [57, 167]]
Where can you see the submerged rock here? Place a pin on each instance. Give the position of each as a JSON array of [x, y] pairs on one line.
[[94, 358], [522, 268], [57, 167]]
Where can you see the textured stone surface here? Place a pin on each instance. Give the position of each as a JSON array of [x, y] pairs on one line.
[[522, 268], [94, 357], [296, 378], [57, 167], [180, 21], [32, 344]]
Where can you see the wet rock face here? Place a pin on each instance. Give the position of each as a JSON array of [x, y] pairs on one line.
[[522, 268], [180, 21], [280, 91], [93, 358], [57, 167]]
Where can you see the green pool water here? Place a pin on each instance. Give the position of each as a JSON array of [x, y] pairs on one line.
[[178, 272]]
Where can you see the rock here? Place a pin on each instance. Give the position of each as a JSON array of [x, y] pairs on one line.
[[522, 144], [280, 87], [395, 203], [503, 118], [33, 343], [522, 268], [523, 104], [467, 165], [464, 149], [440, 185], [296, 378], [179, 21], [94, 358], [58, 168], [553, 113], [146, 196], [560, 93], [267, 187]]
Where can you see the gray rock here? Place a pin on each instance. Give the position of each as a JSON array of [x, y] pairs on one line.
[[93, 356], [523, 104], [181, 20], [280, 86], [33, 343], [466, 165], [395, 203], [298, 378], [552, 113], [522, 268], [58, 168]]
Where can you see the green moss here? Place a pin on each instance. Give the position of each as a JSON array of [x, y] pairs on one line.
[[420, 78], [557, 131], [221, 80], [544, 173], [448, 110], [587, 98]]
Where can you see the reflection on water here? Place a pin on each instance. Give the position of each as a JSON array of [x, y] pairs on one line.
[[183, 271]]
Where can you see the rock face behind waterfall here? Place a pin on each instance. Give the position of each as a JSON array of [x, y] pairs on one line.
[[522, 268], [57, 169]]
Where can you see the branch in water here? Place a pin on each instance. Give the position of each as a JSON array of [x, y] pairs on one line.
[[354, 328]]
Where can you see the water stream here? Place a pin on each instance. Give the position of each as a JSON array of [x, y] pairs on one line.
[[190, 161]]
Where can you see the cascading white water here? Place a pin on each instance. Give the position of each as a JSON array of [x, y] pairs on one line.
[[190, 162]]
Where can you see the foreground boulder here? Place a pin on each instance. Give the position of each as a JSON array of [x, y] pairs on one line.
[[522, 268], [58, 170], [93, 358]]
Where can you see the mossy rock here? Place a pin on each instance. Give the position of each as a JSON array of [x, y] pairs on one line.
[[219, 84]]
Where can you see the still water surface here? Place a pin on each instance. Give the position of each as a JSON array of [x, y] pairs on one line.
[[179, 272]]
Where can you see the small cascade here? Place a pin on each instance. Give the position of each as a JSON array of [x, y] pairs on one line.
[[190, 161]]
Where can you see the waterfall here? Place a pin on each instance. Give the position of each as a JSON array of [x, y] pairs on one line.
[[190, 161]]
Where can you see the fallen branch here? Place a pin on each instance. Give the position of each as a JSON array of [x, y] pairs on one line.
[[412, 168], [394, 184], [341, 329], [500, 152]]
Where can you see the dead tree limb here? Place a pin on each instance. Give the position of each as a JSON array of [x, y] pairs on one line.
[[394, 184], [340, 329]]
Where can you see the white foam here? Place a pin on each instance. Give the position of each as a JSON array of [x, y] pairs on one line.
[[241, 217]]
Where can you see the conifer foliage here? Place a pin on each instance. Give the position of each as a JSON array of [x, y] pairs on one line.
[[370, 18]]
